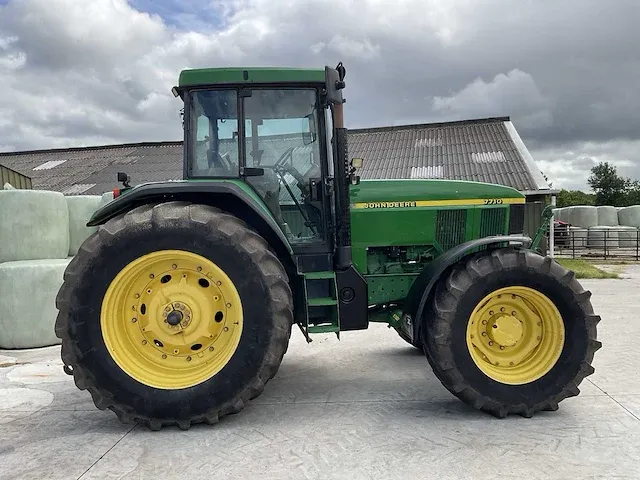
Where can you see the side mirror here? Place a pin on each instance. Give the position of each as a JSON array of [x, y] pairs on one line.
[[125, 179], [334, 80]]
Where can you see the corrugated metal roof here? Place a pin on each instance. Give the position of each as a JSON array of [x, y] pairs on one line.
[[478, 150], [97, 166], [484, 150]]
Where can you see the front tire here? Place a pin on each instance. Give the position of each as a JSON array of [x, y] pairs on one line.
[[510, 331], [174, 314]]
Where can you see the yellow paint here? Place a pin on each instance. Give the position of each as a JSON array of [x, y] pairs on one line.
[[181, 287], [515, 335], [439, 203]]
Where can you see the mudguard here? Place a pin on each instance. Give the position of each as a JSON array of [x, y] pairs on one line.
[[422, 288], [226, 195]]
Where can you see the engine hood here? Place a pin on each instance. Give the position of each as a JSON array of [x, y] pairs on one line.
[[430, 192]]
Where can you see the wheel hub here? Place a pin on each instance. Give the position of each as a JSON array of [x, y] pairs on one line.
[[174, 318], [506, 331], [185, 324], [515, 335]]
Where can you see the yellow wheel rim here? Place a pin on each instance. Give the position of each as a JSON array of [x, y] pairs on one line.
[[515, 335], [171, 319]]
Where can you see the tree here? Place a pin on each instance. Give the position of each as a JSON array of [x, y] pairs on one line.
[[633, 193], [570, 198], [609, 187]]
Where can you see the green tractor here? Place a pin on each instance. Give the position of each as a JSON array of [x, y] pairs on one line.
[[179, 308]]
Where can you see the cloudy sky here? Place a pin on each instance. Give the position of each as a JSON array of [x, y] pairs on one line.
[[75, 72]]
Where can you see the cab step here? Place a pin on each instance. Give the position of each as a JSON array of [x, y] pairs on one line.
[[321, 312], [321, 302]]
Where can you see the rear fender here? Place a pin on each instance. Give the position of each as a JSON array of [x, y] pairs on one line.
[[422, 290], [226, 195]]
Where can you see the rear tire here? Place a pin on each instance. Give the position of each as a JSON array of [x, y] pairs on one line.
[[84, 321], [526, 387]]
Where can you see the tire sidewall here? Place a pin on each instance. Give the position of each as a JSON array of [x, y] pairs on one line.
[[225, 250], [575, 346]]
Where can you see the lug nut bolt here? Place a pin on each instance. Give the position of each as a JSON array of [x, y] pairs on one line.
[[174, 266], [511, 363], [228, 305], [218, 283], [164, 356], [502, 309], [484, 322], [144, 342], [501, 347], [188, 359], [490, 312], [513, 313], [226, 329], [199, 269], [151, 275], [211, 349], [490, 343], [134, 320], [484, 334], [137, 295]]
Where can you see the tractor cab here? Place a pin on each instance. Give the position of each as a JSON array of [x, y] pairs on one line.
[[273, 129]]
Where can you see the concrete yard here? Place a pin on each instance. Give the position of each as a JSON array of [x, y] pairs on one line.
[[365, 407]]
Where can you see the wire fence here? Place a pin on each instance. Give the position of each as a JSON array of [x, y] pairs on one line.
[[597, 242]]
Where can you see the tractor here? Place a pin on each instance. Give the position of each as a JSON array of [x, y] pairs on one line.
[[179, 308]]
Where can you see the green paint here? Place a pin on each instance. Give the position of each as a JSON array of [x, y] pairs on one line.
[[418, 226], [235, 75], [241, 184], [412, 190], [388, 288]]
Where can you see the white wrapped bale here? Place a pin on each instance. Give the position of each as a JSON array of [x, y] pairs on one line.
[[584, 216], [560, 214], [566, 214], [81, 207], [34, 224], [106, 198], [607, 216], [629, 216], [27, 302], [602, 237], [628, 237], [577, 237]]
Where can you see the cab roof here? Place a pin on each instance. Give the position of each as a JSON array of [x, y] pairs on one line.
[[225, 75]]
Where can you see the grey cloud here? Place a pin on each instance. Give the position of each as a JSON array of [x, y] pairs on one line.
[[564, 70]]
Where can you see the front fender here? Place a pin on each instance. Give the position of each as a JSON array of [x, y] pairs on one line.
[[228, 195], [422, 289]]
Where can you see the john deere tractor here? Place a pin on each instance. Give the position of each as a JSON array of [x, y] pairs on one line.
[[179, 308]]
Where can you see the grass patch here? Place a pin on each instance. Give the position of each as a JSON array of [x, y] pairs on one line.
[[584, 269]]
